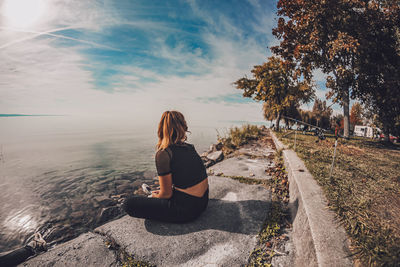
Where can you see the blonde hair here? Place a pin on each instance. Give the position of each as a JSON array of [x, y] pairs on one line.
[[171, 129]]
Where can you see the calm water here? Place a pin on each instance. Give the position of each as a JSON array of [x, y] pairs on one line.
[[57, 173]]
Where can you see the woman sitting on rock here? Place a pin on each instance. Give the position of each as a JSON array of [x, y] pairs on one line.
[[183, 193]]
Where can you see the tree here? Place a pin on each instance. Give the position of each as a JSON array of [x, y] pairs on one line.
[[276, 84], [269, 112], [307, 117], [356, 117], [291, 112], [320, 35], [337, 119], [322, 113], [355, 42], [378, 81]]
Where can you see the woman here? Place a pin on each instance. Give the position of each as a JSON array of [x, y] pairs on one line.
[[183, 193]]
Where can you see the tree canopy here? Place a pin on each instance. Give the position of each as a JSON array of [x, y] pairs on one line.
[[356, 115], [355, 42], [276, 83], [320, 35], [322, 113], [378, 67]]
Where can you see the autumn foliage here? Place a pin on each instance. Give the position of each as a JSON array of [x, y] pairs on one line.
[[277, 85]]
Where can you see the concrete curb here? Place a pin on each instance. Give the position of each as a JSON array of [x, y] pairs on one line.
[[318, 238]]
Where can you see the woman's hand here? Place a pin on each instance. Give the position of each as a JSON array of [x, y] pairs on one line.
[[165, 187]]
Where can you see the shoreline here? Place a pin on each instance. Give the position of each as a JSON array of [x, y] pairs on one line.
[[212, 156]]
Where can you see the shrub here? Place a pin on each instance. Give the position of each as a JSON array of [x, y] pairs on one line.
[[238, 136]]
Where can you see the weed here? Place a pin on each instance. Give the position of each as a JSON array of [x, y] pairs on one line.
[[277, 218], [238, 136]]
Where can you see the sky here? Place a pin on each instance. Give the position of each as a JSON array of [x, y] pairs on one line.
[[134, 59]]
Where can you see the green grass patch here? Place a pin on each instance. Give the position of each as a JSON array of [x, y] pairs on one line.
[[364, 191]]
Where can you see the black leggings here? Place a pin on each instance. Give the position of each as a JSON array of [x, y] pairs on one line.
[[16, 257], [180, 208]]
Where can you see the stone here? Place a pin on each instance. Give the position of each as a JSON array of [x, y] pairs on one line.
[[88, 249], [104, 201], [124, 188], [216, 156], [218, 146], [224, 235], [243, 167], [108, 213]]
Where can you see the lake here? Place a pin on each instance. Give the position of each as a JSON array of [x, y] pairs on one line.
[[57, 172]]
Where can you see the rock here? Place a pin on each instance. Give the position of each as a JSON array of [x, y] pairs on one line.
[[104, 201], [224, 235], [116, 197], [124, 188], [78, 214], [109, 213], [204, 155], [219, 146], [208, 164], [215, 147], [122, 181], [216, 156], [87, 250]]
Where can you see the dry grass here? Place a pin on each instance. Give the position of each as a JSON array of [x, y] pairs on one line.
[[238, 136], [364, 191]]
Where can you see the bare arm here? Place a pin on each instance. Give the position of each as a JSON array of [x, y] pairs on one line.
[[165, 187]]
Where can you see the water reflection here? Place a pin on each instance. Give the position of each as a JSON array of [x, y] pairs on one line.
[[61, 182], [21, 221]]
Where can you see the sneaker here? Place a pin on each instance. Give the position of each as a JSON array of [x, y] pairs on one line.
[[37, 243], [146, 189]]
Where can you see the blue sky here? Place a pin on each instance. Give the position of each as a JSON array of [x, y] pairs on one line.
[[124, 58]]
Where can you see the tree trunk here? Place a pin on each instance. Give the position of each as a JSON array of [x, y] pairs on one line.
[[278, 119], [346, 117], [386, 133]]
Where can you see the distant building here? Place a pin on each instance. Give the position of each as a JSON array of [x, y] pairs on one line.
[[366, 131]]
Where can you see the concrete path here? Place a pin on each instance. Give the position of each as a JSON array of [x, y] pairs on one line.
[[224, 235], [243, 166]]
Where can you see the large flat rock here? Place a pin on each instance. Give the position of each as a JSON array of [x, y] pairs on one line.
[[224, 235], [254, 150], [243, 166], [88, 249]]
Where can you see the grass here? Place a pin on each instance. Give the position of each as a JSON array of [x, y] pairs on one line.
[[272, 233], [238, 136], [364, 191], [124, 258]]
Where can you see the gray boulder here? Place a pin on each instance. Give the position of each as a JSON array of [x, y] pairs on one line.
[[216, 156]]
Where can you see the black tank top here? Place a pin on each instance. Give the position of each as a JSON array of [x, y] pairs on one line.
[[183, 162]]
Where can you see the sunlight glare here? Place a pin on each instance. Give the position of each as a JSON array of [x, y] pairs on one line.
[[21, 221], [22, 13]]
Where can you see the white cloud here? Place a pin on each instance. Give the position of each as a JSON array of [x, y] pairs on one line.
[[40, 77]]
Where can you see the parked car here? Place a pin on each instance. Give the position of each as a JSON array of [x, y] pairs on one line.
[[392, 138]]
